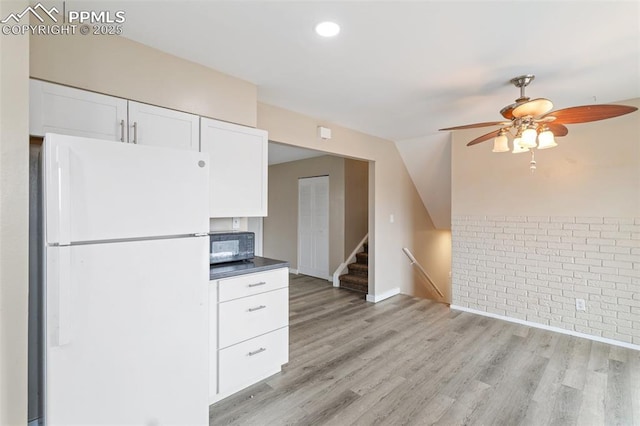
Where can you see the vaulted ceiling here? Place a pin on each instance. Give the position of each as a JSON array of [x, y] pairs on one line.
[[403, 69]]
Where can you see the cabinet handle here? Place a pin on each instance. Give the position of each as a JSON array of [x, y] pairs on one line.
[[135, 132], [257, 352], [121, 130], [257, 284], [257, 308]]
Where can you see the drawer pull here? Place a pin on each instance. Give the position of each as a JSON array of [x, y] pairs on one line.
[[257, 352], [257, 308], [257, 284]]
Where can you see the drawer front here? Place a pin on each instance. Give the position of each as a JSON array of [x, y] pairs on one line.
[[245, 318], [250, 284], [248, 362]]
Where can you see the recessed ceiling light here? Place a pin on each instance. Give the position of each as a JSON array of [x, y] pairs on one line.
[[327, 29]]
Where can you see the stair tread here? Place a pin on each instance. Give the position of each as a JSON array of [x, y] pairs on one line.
[[362, 257], [356, 279], [359, 266], [354, 284]]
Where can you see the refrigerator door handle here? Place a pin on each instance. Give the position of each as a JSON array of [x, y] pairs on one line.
[[64, 193], [59, 284]]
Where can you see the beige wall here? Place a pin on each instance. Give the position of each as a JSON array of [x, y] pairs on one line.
[[280, 227], [121, 67], [14, 179], [356, 203], [391, 192]]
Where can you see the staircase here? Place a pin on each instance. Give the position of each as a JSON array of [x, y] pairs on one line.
[[358, 277]]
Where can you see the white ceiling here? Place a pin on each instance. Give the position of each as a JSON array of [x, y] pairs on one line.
[[279, 153], [403, 69]]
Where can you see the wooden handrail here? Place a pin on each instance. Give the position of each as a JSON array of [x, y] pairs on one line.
[[421, 269]]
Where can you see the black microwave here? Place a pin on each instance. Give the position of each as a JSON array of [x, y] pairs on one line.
[[231, 246]]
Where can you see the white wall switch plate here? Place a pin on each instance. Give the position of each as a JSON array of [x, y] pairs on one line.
[[235, 223], [581, 305], [391, 218]]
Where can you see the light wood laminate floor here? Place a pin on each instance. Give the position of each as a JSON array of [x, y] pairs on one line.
[[412, 361]]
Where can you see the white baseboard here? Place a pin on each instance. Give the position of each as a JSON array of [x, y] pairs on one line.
[[293, 271], [548, 327], [375, 298]]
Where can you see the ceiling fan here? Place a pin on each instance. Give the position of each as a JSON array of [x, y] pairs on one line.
[[530, 119]]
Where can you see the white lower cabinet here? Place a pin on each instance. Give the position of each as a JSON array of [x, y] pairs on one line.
[[248, 362], [250, 330], [252, 316]]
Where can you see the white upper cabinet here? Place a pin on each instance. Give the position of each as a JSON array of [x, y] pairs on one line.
[[152, 125], [238, 168], [60, 109], [75, 112]]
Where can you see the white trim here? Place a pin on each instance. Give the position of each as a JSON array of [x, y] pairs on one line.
[[548, 327], [350, 259], [293, 271], [375, 298]]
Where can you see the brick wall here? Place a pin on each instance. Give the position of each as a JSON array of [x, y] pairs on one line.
[[534, 268]]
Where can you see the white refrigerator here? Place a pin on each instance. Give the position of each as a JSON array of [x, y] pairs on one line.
[[126, 270]]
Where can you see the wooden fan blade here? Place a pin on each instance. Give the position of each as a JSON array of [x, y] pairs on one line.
[[484, 137], [533, 108], [557, 129], [587, 113], [475, 125]]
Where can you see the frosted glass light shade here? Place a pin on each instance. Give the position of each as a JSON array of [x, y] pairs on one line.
[[501, 144], [517, 146], [529, 138], [547, 140]]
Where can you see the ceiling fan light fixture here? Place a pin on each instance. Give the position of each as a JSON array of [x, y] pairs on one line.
[[501, 142], [529, 137], [517, 144], [519, 149], [546, 139]]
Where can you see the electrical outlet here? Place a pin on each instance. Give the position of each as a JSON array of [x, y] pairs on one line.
[[235, 223], [581, 305]]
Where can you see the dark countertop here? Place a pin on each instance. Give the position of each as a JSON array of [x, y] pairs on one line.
[[258, 264]]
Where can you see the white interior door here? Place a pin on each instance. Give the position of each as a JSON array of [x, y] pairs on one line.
[[313, 226]]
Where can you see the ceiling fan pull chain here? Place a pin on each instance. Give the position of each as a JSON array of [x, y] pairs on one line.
[[532, 164]]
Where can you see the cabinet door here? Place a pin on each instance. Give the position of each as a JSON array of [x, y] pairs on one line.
[[238, 168], [152, 125], [246, 363], [60, 109]]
